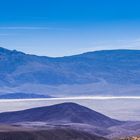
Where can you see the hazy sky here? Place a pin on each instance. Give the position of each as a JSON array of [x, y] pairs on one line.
[[66, 27]]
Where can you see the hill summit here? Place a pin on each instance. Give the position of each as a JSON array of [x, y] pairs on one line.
[[59, 114]]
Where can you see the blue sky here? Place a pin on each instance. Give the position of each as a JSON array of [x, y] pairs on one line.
[[66, 27]]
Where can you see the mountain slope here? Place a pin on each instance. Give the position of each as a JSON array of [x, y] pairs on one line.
[[110, 72], [51, 134], [60, 114], [22, 96]]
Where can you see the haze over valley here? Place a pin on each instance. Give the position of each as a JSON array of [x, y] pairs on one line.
[[70, 70]]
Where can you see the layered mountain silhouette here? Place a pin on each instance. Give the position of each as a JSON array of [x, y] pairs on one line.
[[63, 121], [60, 114], [108, 72]]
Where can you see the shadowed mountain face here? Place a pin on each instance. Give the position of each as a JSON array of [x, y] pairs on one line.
[[114, 72], [52, 134], [59, 114]]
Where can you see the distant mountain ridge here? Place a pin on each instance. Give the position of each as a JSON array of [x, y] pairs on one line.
[[107, 72]]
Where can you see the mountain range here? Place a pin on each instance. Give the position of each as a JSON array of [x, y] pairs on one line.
[[60, 114], [66, 120], [52, 123], [107, 72], [65, 116]]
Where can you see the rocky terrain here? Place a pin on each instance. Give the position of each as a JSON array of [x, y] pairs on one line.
[[131, 138]]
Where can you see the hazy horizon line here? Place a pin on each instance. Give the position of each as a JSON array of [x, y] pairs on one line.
[[74, 98]]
